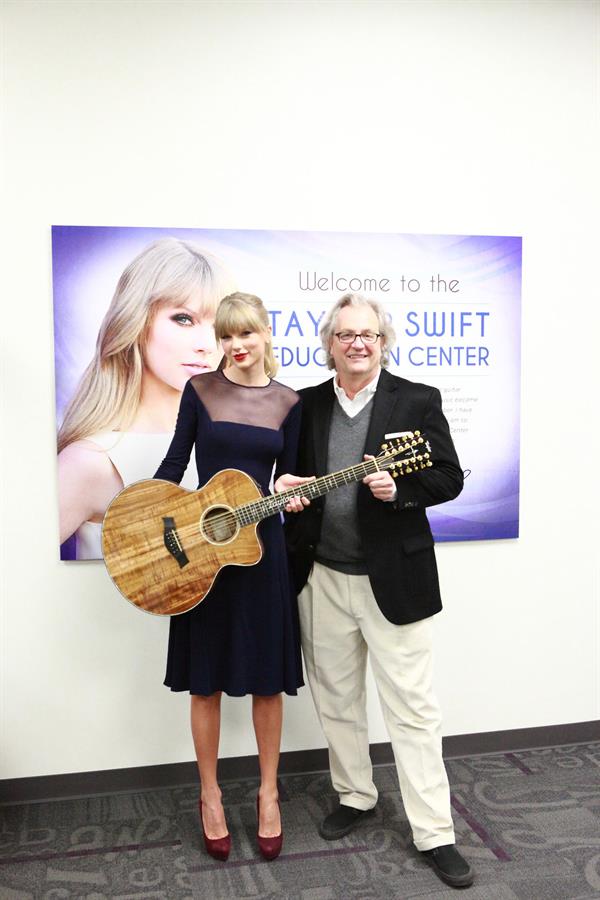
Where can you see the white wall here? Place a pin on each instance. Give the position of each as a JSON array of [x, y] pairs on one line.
[[439, 117]]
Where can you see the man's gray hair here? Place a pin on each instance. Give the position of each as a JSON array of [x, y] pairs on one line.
[[327, 329]]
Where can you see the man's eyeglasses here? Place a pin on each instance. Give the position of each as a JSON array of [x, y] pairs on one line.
[[348, 337]]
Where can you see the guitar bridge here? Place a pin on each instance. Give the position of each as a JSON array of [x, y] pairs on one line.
[[172, 542]]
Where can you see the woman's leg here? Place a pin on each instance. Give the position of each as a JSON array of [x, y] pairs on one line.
[[206, 726], [267, 714]]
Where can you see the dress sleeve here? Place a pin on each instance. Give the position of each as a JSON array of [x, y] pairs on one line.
[[173, 466], [286, 461]]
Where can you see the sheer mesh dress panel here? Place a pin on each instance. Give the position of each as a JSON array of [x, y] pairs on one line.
[[267, 407]]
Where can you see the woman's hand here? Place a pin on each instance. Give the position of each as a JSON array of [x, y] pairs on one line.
[[285, 482], [381, 484]]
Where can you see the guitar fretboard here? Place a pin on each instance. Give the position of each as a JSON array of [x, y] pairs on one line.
[[258, 510]]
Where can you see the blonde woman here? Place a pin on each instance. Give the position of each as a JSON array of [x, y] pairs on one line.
[[243, 638], [156, 334]]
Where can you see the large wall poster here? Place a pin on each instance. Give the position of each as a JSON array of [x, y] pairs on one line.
[[454, 302]]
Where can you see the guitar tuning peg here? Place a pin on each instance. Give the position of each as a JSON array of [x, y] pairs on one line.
[[394, 474], [429, 463], [408, 470], [426, 456], [384, 446], [417, 434]]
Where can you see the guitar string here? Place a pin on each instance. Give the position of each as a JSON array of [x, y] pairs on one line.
[[383, 461], [247, 510], [280, 499], [271, 503]]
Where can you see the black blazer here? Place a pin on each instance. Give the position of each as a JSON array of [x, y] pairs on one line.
[[396, 537]]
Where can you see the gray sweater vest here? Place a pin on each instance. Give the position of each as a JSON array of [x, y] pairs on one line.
[[339, 547]]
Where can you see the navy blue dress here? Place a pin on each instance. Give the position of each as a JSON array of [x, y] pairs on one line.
[[243, 638]]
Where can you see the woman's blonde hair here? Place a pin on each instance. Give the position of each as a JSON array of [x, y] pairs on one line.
[[168, 272], [386, 330], [240, 312]]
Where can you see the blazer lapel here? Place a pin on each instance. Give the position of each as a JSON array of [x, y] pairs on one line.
[[322, 424], [386, 397]]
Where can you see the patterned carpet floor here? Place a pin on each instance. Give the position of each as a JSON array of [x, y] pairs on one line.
[[528, 822]]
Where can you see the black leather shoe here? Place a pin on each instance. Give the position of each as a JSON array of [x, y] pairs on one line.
[[342, 821], [448, 864]]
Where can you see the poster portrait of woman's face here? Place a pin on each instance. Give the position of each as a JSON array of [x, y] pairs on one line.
[[156, 333]]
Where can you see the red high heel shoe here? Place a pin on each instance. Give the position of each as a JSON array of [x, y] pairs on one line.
[[270, 847], [218, 848]]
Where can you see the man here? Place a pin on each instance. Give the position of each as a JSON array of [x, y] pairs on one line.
[[365, 570]]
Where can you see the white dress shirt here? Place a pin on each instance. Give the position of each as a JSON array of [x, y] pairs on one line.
[[359, 401]]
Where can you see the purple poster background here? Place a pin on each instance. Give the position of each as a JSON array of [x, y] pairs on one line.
[[454, 302]]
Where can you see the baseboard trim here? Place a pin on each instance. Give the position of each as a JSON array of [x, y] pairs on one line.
[[110, 781]]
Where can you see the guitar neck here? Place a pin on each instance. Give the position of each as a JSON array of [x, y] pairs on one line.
[[275, 503]]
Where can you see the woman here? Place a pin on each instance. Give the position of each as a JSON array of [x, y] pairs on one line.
[[243, 638], [157, 332]]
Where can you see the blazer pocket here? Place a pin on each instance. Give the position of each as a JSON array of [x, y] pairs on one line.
[[417, 542]]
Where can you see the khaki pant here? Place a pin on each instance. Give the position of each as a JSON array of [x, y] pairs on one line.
[[341, 622]]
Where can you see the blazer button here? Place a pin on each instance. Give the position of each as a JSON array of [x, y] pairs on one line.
[[311, 546]]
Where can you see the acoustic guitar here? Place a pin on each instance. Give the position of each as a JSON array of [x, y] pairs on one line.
[[164, 545]]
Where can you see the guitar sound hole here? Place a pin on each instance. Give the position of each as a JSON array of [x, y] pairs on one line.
[[218, 525]]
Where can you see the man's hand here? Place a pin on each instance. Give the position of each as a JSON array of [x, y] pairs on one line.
[[381, 484], [296, 504]]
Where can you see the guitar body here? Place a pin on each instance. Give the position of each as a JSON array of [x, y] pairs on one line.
[[164, 545]]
